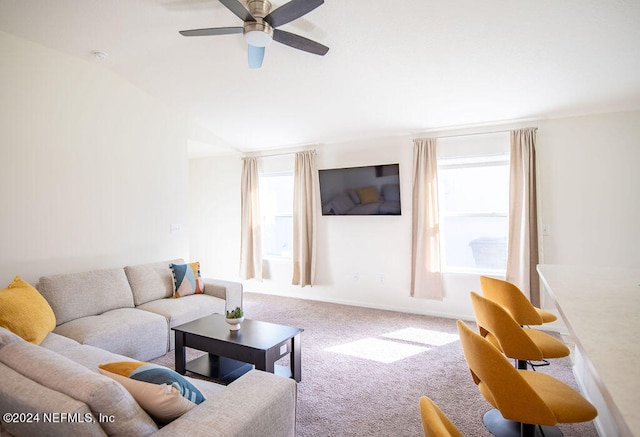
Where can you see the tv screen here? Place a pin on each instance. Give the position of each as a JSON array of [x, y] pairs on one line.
[[369, 190]]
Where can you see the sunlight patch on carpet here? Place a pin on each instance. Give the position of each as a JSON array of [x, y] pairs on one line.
[[381, 351], [423, 336]]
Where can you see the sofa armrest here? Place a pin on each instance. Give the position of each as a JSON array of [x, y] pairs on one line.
[[226, 290], [257, 404]]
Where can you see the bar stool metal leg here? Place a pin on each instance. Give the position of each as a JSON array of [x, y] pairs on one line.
[[501, 427]]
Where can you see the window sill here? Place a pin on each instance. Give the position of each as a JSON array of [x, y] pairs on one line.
[[475, 272], [277, 258]]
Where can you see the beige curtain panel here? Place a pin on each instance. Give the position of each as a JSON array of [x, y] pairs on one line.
[[304, 218], [250, 237], [522, 246], [426, 279]]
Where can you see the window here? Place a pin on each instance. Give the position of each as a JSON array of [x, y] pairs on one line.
[[473, 206], [276, 210]]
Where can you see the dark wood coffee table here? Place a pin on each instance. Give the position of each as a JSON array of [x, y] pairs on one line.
[[233, 353]]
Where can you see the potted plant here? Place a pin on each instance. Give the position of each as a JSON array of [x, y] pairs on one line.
[[234, 318]]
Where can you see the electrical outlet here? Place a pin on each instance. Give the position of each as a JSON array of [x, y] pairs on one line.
[[546, 230], [356, 277], [381, 278]]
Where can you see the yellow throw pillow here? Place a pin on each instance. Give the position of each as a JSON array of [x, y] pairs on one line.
[[25, 312], [368, 195]]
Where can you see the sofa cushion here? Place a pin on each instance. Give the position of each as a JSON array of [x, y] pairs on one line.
[[56, 342], [151, 281], [102, 395], [184, 310], [8, 337], [186, 279], [91, 357], [21, 394], [162, 392], [77, 295], [25, 312], [131, 332]]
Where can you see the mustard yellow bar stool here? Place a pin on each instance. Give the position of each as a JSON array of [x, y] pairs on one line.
[[522, 344], [434, 422], [513, 299], [536, 400]]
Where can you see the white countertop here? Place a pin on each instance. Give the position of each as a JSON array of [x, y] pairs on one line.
[[601, 308]]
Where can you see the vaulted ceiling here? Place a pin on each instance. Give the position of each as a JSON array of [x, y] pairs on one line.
[[393, 67]]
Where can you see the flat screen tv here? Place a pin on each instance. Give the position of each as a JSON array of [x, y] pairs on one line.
[[369, 190]]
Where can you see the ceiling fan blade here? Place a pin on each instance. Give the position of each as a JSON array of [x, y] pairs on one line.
[[212, 31], [256, 56], [291, 11], [238, 8], [299, 42]]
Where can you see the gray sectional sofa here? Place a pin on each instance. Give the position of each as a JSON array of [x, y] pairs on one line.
[[126, 314], [130, 310]]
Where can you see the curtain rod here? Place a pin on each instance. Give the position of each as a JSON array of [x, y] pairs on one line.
[[475, 133], [280, 154]]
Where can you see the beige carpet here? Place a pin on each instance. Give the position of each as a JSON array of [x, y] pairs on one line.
[[364, 370]]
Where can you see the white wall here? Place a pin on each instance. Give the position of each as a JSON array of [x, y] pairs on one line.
[[214, 215], [577, 196], [589, 176], [94, 171], [361, 260]]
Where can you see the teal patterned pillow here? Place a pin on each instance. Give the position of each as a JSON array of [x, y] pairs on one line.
[[160, 391], [186, 279]]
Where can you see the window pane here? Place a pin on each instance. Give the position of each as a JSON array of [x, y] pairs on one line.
[[276, 194], [474, 202], [474, 189], [276, 209], [278, 237], [475, 242]]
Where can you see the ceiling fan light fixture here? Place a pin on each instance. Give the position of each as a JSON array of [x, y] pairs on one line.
[[257, 38], [258, 34]]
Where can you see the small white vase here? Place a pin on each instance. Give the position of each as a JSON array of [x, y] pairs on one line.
[[234, 324]]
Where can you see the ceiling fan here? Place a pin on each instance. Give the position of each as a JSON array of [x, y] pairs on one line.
[[260, 26]]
